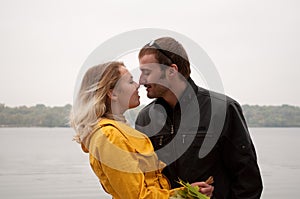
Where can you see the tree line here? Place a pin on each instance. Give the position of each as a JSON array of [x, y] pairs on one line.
[[272, 116], [34, 116], [58, 116]]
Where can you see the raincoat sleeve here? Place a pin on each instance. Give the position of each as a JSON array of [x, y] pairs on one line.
[[117, 166], [240, 157]]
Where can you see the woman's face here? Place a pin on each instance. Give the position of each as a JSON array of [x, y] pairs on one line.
[[127, 90]]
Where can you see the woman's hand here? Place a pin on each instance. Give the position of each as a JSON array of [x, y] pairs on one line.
[[204, 188]]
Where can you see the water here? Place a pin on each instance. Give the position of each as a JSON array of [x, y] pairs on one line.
[[279, 160], [38, 163]]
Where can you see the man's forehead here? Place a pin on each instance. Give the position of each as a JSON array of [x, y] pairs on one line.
[[150, 66], [148, 58]]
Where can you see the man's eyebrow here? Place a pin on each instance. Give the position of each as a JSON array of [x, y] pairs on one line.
[[145, 69]]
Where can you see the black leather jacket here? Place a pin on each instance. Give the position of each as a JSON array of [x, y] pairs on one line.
[[204, 135]]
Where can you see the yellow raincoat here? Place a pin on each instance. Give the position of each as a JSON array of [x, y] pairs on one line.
[[125, 163]]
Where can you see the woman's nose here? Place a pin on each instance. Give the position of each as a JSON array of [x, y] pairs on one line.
[[137, 85]]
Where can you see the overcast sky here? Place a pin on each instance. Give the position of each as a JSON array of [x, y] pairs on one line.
[[254, 44]]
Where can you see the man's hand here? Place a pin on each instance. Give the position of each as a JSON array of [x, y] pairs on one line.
[[204, 188]]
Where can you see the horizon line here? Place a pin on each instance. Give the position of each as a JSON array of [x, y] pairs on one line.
[[16, 106]]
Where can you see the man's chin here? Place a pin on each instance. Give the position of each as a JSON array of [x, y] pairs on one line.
[[150, 96]]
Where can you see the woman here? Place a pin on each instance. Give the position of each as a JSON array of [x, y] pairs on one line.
[[122, 158]]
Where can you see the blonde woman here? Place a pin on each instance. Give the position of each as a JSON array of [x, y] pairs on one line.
[[122, 158]]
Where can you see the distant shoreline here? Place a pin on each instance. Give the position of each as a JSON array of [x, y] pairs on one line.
[[41, 116], [2, 126], [59, 127]]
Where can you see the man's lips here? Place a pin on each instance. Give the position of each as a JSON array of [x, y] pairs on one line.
[[147, 86]]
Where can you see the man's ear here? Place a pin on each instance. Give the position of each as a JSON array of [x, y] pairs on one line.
[[112, 96], [173, 69]]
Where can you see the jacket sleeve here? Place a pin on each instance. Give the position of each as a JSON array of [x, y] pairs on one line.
[[139, 122], [142, 122], [239, 156], [117, 167]]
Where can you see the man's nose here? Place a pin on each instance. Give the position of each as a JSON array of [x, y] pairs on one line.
[[142, 80]]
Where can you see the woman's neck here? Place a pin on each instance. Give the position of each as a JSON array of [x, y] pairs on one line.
[[117, 117]]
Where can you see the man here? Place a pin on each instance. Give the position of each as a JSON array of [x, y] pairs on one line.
[[197, 132]]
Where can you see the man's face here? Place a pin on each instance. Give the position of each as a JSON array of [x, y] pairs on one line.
[[153, 77]]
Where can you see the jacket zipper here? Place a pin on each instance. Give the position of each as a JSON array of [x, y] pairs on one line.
[[161, 140], [171, 131]]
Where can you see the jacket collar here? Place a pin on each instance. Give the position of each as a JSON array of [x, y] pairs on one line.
[[188, 94]]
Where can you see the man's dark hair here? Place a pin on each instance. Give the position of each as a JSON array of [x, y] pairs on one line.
[[168, 51]]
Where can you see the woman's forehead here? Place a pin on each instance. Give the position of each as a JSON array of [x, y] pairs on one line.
[[124, 72]]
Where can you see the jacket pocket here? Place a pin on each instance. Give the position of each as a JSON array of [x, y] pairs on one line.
[[159, 141], [200, 143], [193, 136]]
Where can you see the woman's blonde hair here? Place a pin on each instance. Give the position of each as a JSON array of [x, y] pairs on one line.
[[92, 101]]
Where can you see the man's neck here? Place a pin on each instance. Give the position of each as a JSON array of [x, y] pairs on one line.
[[173, 94]]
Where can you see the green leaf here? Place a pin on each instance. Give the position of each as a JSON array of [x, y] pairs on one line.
[[189, 191]]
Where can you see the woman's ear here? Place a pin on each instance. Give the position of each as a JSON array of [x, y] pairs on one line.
[[112, 96]]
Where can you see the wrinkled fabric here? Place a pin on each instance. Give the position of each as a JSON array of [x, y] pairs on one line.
[[204, 135], [125, 163]]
